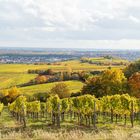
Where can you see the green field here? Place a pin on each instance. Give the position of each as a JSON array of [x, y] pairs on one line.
[[16, 74], [101, 59], [76, 65], [14, 79], [74, 86]]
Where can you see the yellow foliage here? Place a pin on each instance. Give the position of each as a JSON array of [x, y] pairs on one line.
[[13, 92]]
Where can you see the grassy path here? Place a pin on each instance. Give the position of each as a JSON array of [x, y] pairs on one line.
[[6, 120]]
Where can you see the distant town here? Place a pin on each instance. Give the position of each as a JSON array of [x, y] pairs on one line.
[[29, 56], [10, 59]]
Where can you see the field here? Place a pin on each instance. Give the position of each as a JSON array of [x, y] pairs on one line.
[[115, 134], [14, 79], [10, 80], [105, 60], [76, 65], [16, 74], [74, 86]]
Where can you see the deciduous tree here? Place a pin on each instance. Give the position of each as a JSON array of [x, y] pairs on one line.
[[134, 83], [61, 89]]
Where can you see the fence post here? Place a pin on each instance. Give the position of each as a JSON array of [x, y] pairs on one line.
[[132, 114], [24, 114], [58, 116], [94, 115]]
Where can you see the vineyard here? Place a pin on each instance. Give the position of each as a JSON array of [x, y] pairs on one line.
[[91, 104], [84, 110]]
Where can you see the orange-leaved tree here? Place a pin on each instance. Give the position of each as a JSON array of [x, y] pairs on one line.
[[134, 83]]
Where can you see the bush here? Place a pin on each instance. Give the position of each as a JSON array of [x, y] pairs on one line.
[[75, 77], [41, 79]]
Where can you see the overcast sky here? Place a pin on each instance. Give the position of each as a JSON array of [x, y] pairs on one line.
[[70, 23]]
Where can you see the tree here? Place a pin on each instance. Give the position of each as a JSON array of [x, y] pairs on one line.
[[61, 76], [13, 93], [61, 89], [50, 72], [113, 82], [3, 94], [41, 79], [134, 83], [75, 76], [67, 74], [108, 83], [94, 87], [84, 75], [108, 57], [132, 68]]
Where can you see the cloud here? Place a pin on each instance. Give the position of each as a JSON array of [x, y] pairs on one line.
[[82, 44], [134, 19], [69, 19], [80, 14]]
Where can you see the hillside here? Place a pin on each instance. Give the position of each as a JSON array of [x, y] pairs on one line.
[[74, 86], [16, 74]]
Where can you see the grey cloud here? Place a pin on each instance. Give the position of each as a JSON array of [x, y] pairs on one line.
[[69, 20]]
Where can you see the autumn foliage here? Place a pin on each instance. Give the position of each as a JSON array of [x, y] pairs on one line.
[[110, 82], [61, 89], [134, 83]]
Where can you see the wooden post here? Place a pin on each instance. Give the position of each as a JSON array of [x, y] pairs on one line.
[[132, 114], [24, 114], [94, 115], [116, 118], [112, 115], [53, 117], [125, 119], [58, 116], [71, 115]]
